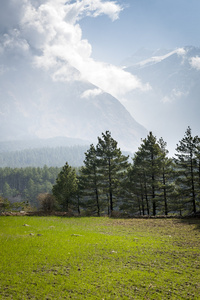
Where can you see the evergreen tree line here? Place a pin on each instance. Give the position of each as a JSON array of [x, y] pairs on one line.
[[152, 184], [54, 157], [24, 184]]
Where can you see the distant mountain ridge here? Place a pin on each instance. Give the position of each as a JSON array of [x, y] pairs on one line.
[[173, 103]]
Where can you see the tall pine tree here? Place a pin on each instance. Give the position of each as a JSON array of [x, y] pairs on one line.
[[186, 163], [150, 173], [90, 182], [152, 157], [112, 166], [137, 185], [167, 177]]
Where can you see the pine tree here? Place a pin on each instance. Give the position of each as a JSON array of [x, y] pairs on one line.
[[151, 156], [7, 191], [198, 171], [90, 181], [112, 166], [137, 185], [149, 175], [167, 176], [186, 169], [66, 187]]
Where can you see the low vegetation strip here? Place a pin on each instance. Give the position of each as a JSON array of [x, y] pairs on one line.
[[99, 258]]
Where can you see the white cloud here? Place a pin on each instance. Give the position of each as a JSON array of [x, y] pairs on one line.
[[13, 41], [92, 8], [110, 78], [155, 59], [195, 62], [181, 51], [51, 29], [91, 93], [173, 96]]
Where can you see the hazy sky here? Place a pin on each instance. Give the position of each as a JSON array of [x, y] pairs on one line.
[[143, 23], [49, 35], [86, 39]]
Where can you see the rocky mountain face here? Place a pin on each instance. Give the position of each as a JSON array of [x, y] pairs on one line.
[[173, 103], [34, 106]]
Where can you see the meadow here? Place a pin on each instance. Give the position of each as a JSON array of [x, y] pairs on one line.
[[99, 258]]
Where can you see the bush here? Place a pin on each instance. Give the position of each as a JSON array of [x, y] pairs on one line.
[[47, 202]]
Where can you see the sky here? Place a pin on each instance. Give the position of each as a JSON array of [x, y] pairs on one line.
[[87, 40], [95, 36], [150, 24], [49, 34]]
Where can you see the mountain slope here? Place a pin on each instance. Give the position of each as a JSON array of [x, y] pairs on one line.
[[32, 105]]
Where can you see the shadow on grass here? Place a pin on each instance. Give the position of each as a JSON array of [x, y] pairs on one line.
[[190, 221]]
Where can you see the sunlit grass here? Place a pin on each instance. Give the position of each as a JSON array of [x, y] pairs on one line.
[[99, 258]]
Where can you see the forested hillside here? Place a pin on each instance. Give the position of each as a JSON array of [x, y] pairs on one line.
[[52, 157], [25, 184]]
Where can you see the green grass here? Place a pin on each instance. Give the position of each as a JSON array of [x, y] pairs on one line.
[[99, 258]]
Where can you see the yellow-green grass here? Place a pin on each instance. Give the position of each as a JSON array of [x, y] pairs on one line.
[[99, 258]]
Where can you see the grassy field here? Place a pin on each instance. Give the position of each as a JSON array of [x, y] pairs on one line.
[[99, 258]]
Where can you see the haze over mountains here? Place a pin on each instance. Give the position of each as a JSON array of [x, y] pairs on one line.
[[35, 106], [173, 102]]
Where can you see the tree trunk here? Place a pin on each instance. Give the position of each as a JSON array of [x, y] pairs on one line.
[[143, 210], [97, 202], [165, 194], [110, 188], [78, 204], [153, 197], [193, 189]]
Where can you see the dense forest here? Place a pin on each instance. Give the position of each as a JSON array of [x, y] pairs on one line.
[[25, 184], [152, 184], [52, 157]]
